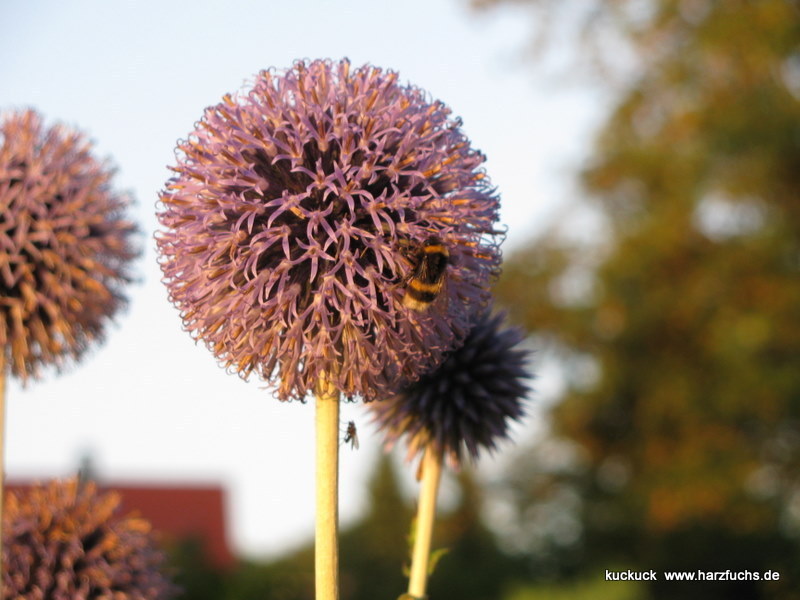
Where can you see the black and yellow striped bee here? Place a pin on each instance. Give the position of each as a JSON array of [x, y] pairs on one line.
[[428, 278]]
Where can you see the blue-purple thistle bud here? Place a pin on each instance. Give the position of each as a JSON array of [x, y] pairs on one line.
[[65, 246], [295, 222], [63, 540], [468, 402]]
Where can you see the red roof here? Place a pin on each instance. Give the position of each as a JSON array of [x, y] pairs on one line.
[[177, 512]]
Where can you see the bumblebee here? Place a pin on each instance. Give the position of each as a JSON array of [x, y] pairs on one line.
[[428, 278]]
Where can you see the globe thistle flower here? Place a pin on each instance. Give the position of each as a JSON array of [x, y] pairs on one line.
[[296, 218], [64, 244], [466, 403], [64, 540]]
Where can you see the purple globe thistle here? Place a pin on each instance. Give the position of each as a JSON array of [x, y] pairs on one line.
[[64, 244], [296, 219], [63, 541], [468, 401]]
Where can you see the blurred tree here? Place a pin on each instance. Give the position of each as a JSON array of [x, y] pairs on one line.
[[372, 553], [375, 549], [196, 576], [594, 589], [679, 327], [473, 567]]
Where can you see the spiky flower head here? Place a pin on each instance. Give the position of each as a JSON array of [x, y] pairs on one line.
[[468, 402], [297, 216], [64, 540], [64, 244]]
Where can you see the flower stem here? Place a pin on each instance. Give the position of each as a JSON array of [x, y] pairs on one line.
[[426, 511], [2, 451], [326, 551]]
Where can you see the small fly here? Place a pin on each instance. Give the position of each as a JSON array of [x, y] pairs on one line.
[[351, 435]]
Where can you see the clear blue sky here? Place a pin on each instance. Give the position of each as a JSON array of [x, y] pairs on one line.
[[135, 76]]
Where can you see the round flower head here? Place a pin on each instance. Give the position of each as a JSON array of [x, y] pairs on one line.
[[64, 541], [468, 401], [302, 211], [64, 246]]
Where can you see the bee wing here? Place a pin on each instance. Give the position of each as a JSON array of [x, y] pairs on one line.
[[423, 272], [431, 271]]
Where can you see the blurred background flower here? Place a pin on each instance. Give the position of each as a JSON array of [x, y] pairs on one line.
[[65, 244], [469, 401], [295, 220], [66, 540]]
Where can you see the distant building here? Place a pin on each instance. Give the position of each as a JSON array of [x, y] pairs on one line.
[[179, 512]]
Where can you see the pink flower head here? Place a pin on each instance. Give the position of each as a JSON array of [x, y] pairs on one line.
[[297, 217], [65, 540], [65, 246]]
